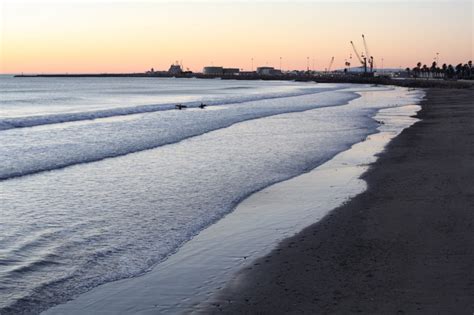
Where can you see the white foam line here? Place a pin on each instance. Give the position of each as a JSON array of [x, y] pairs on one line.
[[75, 159], [41, 120]]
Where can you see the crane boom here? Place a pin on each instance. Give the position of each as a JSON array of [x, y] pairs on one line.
[[356, 53], [367, 53], [330, 64]]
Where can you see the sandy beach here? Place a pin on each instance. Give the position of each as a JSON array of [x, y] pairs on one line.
[[406, 245]]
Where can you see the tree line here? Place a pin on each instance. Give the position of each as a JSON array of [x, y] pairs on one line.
[[460, 71]]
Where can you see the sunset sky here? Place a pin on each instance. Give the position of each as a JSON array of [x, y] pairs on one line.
[[133, 36]]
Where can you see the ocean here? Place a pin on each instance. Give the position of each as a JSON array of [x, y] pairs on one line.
[[102, 178]]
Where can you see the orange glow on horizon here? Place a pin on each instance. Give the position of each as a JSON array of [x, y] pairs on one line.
[[98, 36]]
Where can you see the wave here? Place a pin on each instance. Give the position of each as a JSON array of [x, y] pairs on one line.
[[139, 135], [39, 120], [237, 88], [39, 100]]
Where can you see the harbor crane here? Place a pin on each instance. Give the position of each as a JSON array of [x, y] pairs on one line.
[[362, 59], [367, 53]]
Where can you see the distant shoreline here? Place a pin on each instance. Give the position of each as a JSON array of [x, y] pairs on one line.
[[329, 78]]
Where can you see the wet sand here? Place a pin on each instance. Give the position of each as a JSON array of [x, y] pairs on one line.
[[406, 245]]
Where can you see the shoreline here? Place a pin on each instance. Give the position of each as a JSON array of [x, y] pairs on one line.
[[405, 245], [204, 264], [331, 78]]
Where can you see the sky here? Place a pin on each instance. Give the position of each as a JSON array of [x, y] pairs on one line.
[[110, 36]]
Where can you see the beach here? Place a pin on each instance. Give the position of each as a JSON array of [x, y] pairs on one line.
[[405, 245], [123, 183], [302, 151]]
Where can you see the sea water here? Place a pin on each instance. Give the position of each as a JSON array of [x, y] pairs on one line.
[[101, 179]]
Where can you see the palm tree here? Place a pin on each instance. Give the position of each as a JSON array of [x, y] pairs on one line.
[[417, 69], [407, 69], [425, 70], [466, 71], [434, 71], [458, 70], [433, 68], [444, 69], [450, 71]]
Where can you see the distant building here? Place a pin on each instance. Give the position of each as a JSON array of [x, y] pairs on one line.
[[231, 71], [213, 70], [247, 73], [268, 71], [151, 71], [264, 70], [219, 71], [175, 69], [296, 73]]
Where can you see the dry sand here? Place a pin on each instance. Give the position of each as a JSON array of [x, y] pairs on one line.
[[406, 245]]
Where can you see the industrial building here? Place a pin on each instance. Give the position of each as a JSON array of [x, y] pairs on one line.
[[175, 69], [268, 71], [231, 71], [213, 70], [219, 71]]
